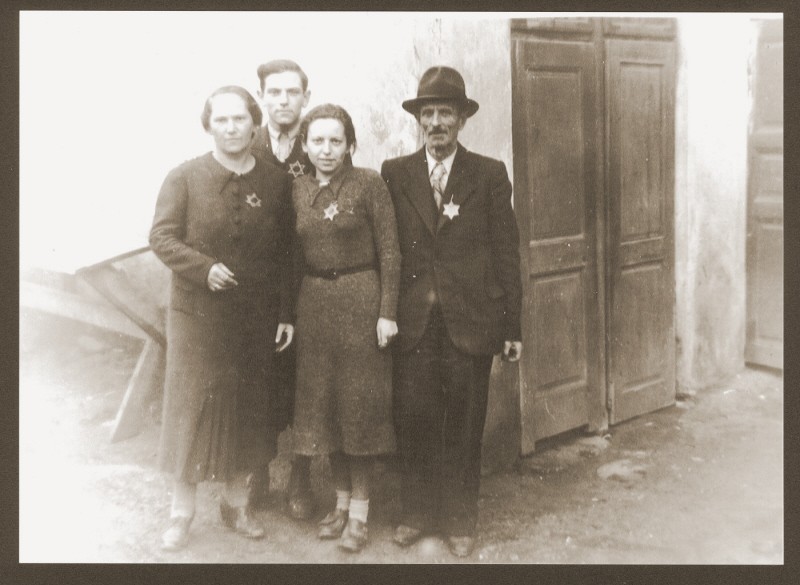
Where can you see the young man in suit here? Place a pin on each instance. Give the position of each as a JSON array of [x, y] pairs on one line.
[[460, 303], [283, 93]]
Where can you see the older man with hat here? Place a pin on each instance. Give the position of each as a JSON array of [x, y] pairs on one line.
[[460, 302]]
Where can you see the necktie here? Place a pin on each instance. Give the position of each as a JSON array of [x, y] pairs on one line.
[[438, 183], [283, 147]]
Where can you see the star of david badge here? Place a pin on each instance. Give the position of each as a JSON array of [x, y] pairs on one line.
[[332, 210], [253, 200], [450, 209], [297, 168]]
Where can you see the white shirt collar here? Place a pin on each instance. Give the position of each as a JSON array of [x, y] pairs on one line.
[[448, 162], [274, 135]]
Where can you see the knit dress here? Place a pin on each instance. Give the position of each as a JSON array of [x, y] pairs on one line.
[[221, 404], [344, 381]]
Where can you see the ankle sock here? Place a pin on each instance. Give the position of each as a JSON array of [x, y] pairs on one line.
[[342, 500], [359, 509]]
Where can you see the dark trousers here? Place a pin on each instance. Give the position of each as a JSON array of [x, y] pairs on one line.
[[440, 397]]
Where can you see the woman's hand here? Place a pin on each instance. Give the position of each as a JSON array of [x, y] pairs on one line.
[[387, 329], [512, 350], [288, 330], [220, 278]]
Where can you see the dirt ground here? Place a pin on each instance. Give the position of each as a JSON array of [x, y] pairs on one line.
[[700, 482]]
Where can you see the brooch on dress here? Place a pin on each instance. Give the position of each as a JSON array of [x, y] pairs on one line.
[[253, 200], [450, 209], [332, 210]]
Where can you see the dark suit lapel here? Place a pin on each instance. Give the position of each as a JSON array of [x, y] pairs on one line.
[[419, 189], [459, 185]]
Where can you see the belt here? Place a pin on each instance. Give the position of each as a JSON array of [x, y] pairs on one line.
[[334, 273]]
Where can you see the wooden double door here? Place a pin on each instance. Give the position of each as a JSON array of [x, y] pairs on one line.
[[593, 117]]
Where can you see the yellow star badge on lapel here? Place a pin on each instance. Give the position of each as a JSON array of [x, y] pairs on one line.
[[332, 210], [450, 209], [297, 168], [253, 200]]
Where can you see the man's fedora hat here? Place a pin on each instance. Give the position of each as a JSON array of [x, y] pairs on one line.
[[441, 83]]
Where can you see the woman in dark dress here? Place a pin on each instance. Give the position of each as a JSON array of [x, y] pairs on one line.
[[347, 235], [223, 226]]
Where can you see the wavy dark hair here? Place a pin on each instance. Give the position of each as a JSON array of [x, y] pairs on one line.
[[333, 112], [280, 66], [249, 102]]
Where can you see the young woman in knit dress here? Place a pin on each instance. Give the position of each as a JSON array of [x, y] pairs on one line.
[[346, 230]]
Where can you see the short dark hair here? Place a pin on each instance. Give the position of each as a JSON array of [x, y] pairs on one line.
[[280, 66], [249, 101], [333, 112]]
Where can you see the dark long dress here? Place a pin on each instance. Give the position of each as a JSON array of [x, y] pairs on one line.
[[220, 405], [343, 394]]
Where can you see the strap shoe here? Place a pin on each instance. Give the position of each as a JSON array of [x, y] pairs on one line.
[[176, 536], [354, 538], [241, 520], [332, 526]]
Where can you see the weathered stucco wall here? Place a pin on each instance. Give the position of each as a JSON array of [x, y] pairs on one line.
[[712, 112]]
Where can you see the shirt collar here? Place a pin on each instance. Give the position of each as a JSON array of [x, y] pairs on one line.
[[447, 162], [334, 184], [274, 133]]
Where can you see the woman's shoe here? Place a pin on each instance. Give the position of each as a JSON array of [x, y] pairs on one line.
[[176, 536], [332, 526], [354, 538], [241, 520]]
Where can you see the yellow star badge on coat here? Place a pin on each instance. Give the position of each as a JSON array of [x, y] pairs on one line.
[[253, 200], [332, 210], [297, 168], [450, 209]]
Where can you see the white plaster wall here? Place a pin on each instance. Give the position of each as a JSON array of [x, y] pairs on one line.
[[712, 112], [109, 102]]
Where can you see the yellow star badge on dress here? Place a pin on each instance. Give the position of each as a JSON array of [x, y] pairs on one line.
[[332, 210], [253, 200], [450, 209], [297, 168]]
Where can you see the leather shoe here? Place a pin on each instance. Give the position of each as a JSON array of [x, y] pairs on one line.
[[354, 538], [333, 524], [177, 535], [461, 546], [301, 498], [405, 536], [301, 504], [241, 520]]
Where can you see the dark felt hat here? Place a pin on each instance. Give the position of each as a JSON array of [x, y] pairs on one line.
[[441, 83]]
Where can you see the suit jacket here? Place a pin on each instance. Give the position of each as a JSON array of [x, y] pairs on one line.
[[468, 262], [296, 164]]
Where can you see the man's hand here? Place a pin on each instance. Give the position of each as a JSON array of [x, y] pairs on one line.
[[512, 350], [220, 278], [287, 330], [386, 329]]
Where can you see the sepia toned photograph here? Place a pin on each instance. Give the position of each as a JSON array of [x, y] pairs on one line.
[[401, 288]]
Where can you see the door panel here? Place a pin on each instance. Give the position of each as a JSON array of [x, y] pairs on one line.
[[554, 94], [764, 341], [640, 178]]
